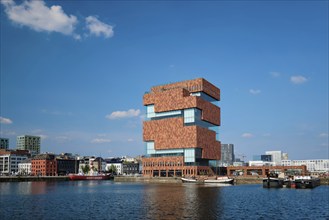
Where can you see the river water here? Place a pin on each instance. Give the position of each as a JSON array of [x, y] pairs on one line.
[[113, 200]]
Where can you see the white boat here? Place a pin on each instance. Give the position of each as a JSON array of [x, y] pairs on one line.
[[186, 180], [223, 179]]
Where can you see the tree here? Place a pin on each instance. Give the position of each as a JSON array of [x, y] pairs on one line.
[[85, 169], [112, 169]]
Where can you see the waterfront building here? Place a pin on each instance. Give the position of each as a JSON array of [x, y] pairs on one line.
[[30, 143], [129, 168], [262, 171], [180, 131], [9, 160], [66, 164], [313, 165], [86, 161], [227, 155], [99, 164], [24, 168], [117, 163], [4, 143], [44, 165]]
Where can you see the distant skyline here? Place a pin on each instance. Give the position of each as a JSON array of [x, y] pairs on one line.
[[75, 72]]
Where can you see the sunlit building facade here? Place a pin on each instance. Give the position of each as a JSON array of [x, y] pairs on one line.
[[180, 130], [30, 143]]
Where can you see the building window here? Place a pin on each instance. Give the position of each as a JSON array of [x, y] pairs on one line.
[[189, 115]]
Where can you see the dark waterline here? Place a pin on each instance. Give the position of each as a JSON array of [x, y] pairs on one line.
[[113, 200]]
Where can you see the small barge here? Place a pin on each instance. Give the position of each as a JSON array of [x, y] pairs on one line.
[[306, 182], [273, 181]]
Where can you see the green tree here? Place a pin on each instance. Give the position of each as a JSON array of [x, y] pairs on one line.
[[112, 169], [85, 169]]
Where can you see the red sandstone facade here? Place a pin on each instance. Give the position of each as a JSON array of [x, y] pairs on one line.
[[181, 148], [44, 165]]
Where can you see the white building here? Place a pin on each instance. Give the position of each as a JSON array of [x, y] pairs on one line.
[[9, 161], [276, 157], [24, 168], [316, 165], [118, 167], [85, 161]]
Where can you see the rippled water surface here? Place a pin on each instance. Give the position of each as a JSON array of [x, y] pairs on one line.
[[112, 200]]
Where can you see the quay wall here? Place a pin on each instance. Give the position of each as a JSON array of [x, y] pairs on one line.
[[32, 178]]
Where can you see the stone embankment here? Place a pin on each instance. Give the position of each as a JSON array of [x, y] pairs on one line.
[[32, 178]]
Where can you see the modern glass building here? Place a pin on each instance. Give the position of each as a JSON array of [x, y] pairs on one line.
[[30, 143], [180, 130]]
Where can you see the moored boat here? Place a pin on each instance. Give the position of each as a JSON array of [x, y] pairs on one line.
[[188, 180], [223, 179], [272, 182], [306, 182]]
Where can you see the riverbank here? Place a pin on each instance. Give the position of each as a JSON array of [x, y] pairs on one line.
[[237, 180], [32, 178]]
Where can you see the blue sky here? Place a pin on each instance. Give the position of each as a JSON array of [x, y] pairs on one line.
[[74, 72]]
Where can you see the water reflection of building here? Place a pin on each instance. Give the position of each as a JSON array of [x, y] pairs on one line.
[[190, 201], [180, 131]]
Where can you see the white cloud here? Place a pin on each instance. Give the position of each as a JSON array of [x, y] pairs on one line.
[[323, 135], [298, 79], [39, 17], [5, 120], [130, 140], [101, 140], [275, 74], [254, 91], [98, 28], [123, 114], [247, 135]]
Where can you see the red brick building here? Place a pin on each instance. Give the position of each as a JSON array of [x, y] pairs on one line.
[[180, 129], [44, 165]]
